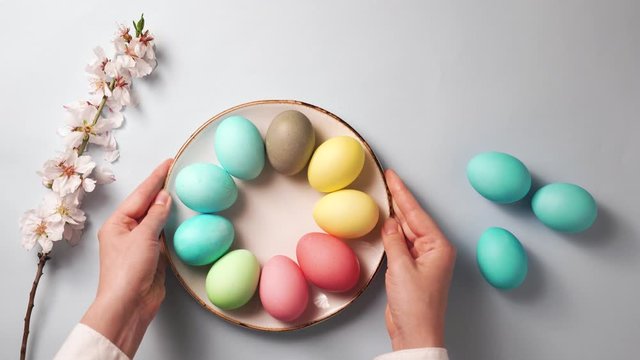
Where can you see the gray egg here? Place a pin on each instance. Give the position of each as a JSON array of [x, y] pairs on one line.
[[290, 141]]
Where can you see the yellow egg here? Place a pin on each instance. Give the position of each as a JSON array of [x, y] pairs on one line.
[[335, 164], [346, 214]]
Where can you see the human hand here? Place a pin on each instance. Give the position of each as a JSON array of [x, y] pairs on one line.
[[420, 263], [132, 267]]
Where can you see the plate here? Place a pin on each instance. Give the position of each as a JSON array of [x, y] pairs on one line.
[[273, 211]]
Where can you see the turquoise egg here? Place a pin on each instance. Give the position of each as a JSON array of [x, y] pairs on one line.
[[239, 147], [501, 258], [205, 188], [203, 239], [565, 207], [499, 177]]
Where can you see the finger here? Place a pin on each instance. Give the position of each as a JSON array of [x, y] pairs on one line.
[[137, 203], [157, 215], [416, 218], [403, 222], [394, 242]]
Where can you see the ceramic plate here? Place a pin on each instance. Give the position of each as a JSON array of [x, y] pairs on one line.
[[273, 211]]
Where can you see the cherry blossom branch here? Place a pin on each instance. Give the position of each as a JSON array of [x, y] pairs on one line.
[[72, 174], [103, 101], [32, 295]]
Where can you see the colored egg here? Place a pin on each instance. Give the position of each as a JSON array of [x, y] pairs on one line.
[[284, 292], [335, 164], [347, 214], [501, 258], [205, 188], [565, 207], [239, 147], [203, 239], [232, 280], [289, 142], [499, 177], [328, 262]]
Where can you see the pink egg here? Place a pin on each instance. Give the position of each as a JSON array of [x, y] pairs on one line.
[[328, 262], [284, 291]]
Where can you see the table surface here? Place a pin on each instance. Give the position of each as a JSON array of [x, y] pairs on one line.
[[428, 84]]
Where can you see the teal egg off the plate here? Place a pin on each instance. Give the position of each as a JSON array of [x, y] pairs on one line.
[[499, 177], [203, 239], [501, 258], [205, 188], [565, 207], [239, 147]]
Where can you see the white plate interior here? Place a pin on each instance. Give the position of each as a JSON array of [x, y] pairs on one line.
[[272, 212]]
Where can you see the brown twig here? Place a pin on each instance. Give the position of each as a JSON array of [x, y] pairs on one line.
[[43, 257]]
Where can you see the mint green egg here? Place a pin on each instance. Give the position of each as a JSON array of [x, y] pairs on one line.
[[565, 207], [501, 258], [239, 147], [232, 280], [205, 188], [203, 239], [499, 177]]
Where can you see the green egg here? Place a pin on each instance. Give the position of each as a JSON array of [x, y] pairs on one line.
[[565, 207], [233, 279], [501, 258], [499, 177]]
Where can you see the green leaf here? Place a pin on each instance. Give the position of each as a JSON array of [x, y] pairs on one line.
[[136, 28], [141, 23]]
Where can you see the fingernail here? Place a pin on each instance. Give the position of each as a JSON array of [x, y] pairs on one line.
[[390, 227], [162, 198]]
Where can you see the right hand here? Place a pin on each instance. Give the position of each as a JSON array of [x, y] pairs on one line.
[[420, 263]]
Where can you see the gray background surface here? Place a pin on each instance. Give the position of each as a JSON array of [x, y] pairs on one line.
[[429, 84]]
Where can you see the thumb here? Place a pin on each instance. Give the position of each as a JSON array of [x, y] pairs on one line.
[[395, 244], [157, 214]]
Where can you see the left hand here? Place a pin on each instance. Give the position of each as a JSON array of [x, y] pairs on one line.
[[132, 267]]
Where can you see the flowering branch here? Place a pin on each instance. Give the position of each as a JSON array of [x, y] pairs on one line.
[[72, 174]]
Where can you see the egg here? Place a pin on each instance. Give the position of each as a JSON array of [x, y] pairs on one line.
[[499, 177], [565, 207], [328, 262], [501, 258], [203, 239], [289, 142], [239, 147], [347, 214], [284, 292], [335, 164], [205, 188], [232, 280]]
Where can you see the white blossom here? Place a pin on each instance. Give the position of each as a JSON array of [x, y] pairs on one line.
[[72, 233], [68, 172], [37, 226], [101, 63], [103, 175], [137, 55], [99, 84], [64, 208], [80, 124], [120, 95]]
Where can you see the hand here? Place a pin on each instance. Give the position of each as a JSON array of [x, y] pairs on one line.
[[420, 263], [132, 267]]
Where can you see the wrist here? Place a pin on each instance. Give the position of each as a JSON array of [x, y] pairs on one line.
[[418, 338], [118, 321]]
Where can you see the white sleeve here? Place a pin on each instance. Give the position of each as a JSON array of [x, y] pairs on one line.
[[84, 343], [416, 354]]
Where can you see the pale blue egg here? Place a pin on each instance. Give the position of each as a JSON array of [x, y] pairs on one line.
[[205, 188], [499, 177], [501, 258], [239, 147], [203, 239], [565, 207]]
